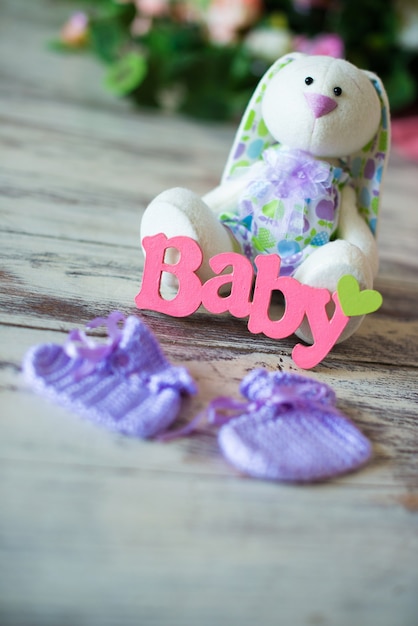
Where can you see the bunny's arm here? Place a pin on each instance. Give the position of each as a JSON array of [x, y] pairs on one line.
[[224, 198], [353, 228]]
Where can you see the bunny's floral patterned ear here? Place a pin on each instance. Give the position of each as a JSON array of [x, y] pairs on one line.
[[252, 136], [367, 167]]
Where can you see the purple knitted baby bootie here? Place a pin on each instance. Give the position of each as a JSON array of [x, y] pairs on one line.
[[290, 430], [125, 384]]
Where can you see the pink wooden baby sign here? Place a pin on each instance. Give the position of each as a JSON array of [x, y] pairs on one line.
[[300, 300]]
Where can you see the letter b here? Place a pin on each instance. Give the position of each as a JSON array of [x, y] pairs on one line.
[[188, 297]]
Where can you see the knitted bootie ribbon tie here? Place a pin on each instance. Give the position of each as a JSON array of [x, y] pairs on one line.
[[89, 352], [288, 430]]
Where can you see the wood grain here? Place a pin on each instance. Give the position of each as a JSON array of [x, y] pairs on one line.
[[98, 529]]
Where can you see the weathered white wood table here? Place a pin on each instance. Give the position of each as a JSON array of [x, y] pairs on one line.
[[101, 529]]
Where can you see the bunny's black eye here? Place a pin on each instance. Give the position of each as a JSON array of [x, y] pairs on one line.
[[338, 91], [308, 80]]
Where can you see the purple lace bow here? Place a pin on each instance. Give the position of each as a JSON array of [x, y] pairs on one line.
[[295, 173], [87, 350]]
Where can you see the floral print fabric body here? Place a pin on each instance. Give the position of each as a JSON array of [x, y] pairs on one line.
[[290, 207]]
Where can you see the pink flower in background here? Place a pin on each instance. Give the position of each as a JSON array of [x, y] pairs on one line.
[[147, 10], [327, 44], [74, 33], [405, 136], [224, 18], [140, 25], [153, 8], [306, 5], [187, 11]]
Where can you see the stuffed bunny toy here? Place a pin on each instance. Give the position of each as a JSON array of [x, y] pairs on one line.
[[302, 180]]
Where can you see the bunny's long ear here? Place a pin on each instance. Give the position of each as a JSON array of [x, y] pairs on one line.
[[367, 166], [252, 136]]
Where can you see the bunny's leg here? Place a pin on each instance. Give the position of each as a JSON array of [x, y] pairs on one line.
[[354, 252], [179, 211], [323, 269]]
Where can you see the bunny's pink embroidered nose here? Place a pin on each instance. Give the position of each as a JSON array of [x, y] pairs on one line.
[[320, 105]]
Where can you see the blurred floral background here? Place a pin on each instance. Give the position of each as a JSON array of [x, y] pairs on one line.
[[204, 57]]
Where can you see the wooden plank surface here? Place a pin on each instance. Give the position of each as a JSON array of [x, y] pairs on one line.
[[98, 529]]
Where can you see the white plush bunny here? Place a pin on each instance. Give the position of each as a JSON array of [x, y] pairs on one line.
[[302, 180]]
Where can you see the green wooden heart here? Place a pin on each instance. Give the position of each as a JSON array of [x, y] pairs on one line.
[[355, 302]]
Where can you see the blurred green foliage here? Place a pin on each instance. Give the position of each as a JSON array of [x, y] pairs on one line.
[[174, 63]]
